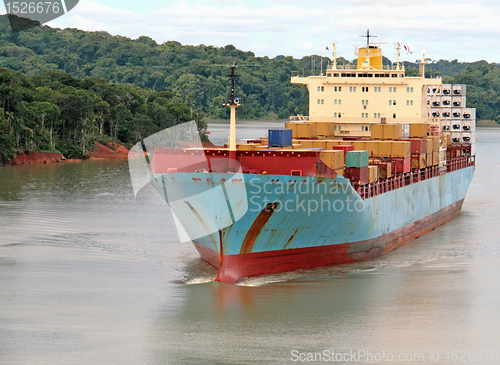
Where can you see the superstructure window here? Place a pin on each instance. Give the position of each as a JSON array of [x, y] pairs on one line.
[[411, 102], [379, 89], [340, 101], [322, 88], [390, 90], [319, 89], [335, 75], [322, 101], [329, 75], [318, 101], [335, 88], [394, 102], [390, 102], [411, 89]]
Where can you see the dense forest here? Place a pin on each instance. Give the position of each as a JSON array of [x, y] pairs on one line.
[[53, 111], [79, 86]]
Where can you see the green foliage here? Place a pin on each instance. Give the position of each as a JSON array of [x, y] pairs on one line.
[[192, 73], [54, 111], [483, 89]]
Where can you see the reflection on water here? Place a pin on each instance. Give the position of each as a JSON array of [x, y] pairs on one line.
[[88, 274]]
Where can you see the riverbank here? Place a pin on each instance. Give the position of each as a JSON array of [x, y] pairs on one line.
[[112, 151]]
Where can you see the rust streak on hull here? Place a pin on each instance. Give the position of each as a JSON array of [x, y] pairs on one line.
[[256, 227]]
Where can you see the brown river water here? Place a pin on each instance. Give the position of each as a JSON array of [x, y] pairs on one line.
[[91, 275]]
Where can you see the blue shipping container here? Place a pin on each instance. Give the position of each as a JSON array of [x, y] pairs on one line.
[[280, 137]]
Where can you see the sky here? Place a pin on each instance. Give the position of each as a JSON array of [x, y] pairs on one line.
[[459, 29]]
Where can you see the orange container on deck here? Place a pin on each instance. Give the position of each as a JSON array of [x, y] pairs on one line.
[[372, 148], [333, 159], [325, 129], [401, 149], [418, 130], [385, 148]]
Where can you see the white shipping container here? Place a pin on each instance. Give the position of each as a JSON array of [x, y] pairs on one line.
[[446, 101], [446, 89], [466, 125], [456, 113], [456, 137], [466, 137], [458, 90], [458, 101], [436, 102]]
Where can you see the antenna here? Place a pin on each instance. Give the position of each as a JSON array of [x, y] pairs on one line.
[[232, 99], [368, 36]]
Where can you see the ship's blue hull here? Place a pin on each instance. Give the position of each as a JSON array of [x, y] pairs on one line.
[[241, 223]]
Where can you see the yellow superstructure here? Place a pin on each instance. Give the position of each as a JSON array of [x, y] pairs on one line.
[[354, 97]]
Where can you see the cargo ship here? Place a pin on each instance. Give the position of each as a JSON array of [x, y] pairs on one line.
[[381, 159]]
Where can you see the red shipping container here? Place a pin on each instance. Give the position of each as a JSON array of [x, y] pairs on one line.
[[357, 175], [402, 165], [344, 148], [418, 146]]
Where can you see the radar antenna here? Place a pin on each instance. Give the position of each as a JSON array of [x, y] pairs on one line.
[[368, 36]]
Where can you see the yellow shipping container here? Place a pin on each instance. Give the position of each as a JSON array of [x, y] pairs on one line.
[[386, 131], [306, 130], [306, 143], [401, 149], [297, 146], [293, 127], [319, 144], [373, 173], [433, 143], [378, 131], [358, 145], [372, 148], [435, 158], [333, 159], [247, 147], [392, 131], [428, 145], [385, 148], [429, 159], [418, 130], [261, 147], [325, 129], [329, 144]]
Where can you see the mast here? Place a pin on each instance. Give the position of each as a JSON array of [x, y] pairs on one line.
[[335, 55], [398, 48], [232, 103]]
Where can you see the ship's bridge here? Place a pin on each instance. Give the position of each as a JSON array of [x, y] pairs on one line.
[[367, 91]]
